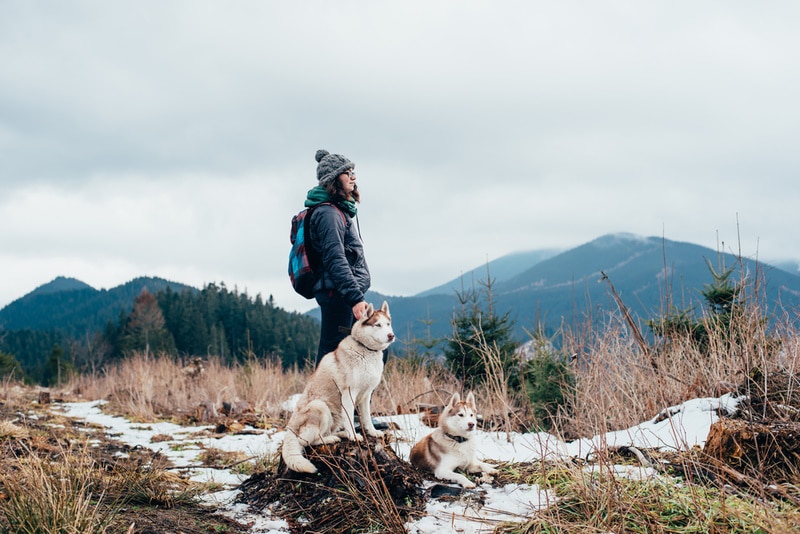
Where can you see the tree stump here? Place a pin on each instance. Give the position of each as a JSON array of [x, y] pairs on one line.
[[766, 451], [358, 484]]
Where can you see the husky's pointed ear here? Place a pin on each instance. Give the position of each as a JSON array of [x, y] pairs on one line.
[[455, 399], [471, 400], [368, 312], [385, 307]]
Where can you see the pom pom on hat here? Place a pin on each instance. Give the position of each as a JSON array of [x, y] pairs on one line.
[[330, 166]]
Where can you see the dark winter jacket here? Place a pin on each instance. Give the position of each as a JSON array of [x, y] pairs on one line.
[[336, 241]]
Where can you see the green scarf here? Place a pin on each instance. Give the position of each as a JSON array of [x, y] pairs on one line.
[[318, 195]]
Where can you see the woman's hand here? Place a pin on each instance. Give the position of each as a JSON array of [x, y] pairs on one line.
[[359, 310]]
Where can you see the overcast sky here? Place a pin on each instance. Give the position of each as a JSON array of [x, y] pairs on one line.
[[176, 139]]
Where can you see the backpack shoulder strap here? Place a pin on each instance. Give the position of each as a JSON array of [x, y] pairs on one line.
[[311, 209], [307, 226]]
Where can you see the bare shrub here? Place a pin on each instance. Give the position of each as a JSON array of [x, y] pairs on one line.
[[613, 385]]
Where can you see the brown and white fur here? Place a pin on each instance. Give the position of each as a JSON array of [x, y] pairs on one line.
[[450, 446], [343, 382]]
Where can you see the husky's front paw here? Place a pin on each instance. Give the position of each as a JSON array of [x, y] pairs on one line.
[[489, 469], [452, 476], [375, 433], [482, 467], [486, 478]]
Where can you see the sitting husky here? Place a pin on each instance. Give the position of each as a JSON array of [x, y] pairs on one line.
[[450, 446], [344, 380]]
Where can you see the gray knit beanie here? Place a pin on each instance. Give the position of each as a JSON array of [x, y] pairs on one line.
[[330, 166]]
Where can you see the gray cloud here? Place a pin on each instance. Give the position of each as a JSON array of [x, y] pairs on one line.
[[176, 138]]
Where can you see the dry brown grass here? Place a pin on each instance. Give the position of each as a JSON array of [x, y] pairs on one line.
[[59, 475], [407, 384], [42, 495], [147, 388], [618, 385], [598, 500]]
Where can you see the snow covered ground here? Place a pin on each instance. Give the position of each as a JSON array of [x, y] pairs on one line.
[[678, 428]]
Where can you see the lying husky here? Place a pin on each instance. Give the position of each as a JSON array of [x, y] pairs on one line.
[[343, 381], [450, 446]]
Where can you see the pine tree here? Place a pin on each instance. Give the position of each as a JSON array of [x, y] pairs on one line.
[[10, 368], [145, 326], [475, 327], [57, 369], [547, 379], [723, 299]]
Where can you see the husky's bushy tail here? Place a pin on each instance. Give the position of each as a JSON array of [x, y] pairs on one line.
[[292, 454]]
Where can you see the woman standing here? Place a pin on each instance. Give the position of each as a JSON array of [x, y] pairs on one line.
[[343, 277]]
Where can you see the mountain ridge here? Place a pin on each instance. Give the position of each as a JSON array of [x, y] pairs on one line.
[[650, 274], [546, 286], [501, 268]]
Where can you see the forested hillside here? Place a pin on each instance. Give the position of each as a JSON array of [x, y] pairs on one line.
[[76, 308], [212, 321]]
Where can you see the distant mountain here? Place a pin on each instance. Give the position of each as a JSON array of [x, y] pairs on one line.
[[648, 273], [545, 287], [500, 269], [58, 285], [76, 308], [790, 266]]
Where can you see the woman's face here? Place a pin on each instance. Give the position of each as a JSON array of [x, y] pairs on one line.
[[348, 181]]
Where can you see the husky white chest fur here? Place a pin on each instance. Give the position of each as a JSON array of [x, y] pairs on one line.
[[450, 446], [343, 382]]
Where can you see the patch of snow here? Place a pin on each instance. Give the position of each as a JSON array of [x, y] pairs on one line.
[[511, 503]]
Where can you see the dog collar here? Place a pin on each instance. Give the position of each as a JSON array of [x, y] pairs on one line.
[[457, 439], [363, 345]]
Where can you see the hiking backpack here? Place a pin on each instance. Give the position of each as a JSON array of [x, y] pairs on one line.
[[302, 258]]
